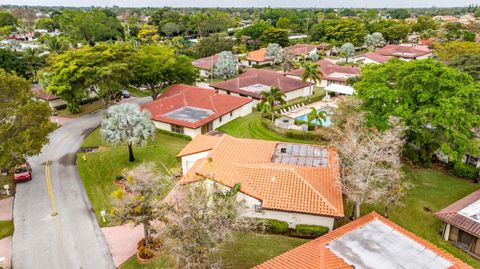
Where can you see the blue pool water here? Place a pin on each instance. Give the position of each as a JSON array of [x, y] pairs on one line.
[[316, 122]]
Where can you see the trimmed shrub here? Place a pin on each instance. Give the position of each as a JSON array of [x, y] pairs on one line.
[[146, 253], [277, 226], [186, 137], [463, 170], [310, 230], [260, 66], [321, 134]]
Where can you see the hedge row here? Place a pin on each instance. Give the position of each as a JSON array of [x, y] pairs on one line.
[[463, 170], [186, 137], [320, 134], [301, 230]]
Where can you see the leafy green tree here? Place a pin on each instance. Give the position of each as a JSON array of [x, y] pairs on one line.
[[148, 34], [447, 51], [56, 44], [318, 116], [275, 35], [34, 62], [288, 61], [7, 19], [425, 23], [102, 70], [213, 44], [374, 40], [170, 29], [13, 62], [159, 67], [273, 97], [397, 32], [348, 50], [274, 51], [439, 105], [468, 63], [283, 23], [263, 107], [339, 31], [399, 13], [311, 74], [226, 66], [254, 32], [127, 124], [47, 24], [24, 124]]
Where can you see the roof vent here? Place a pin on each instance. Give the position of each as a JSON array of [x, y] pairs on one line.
[[283, 150]]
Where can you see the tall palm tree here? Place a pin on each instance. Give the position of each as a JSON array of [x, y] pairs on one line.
[[312, 75], [263, 107], [316, 115], [34, 62], [272, 97], [56, 45]]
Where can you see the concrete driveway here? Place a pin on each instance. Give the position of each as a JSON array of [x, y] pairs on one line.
[[55, 226]]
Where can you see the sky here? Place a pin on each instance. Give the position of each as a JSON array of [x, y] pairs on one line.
[[247, 3]]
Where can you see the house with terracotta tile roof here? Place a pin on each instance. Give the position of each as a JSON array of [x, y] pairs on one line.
[[257, 57], [371, 241], [371, 58], [295, 183], [53, 101], [254, 81], [193, 111], [462, 223], [331, 73], [406, 52], [301, 50], [205, 65]]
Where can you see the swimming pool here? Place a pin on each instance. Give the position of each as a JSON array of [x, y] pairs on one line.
[[326, 122]]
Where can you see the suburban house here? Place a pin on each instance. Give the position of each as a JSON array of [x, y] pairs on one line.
[[205, 65], [257, 57], [371, 241], [406, 53], [295, 183], [301, 50], [254, 81], [332, 73], [193, 111], [462, 223], [371, 58], [53, 101]]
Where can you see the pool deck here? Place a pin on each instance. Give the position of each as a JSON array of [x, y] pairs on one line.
[[307, 108]]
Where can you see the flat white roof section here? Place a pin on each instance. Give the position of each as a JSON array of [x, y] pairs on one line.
[[256, 88], [377, 245], [472, 211], [342, 89]]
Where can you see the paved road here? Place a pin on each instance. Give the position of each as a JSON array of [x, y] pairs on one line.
[[72, 238]]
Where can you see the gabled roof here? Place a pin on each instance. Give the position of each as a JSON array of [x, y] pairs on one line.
[[258, 55], [328, 70], [323, 252], [40, 93], [203, 105], [281, 182], [255, 76], [403, 51], [206, 63], [452, 214], [375, 57], [301, 49], [201, 143]]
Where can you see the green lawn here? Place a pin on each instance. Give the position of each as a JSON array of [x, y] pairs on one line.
[[138, 93], [6, 228], [251, 127], [86, 108], [245, 251], [102, 166], [434, 190]]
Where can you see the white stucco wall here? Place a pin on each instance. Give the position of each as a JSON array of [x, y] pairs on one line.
[[204, 73], [189, 160], [302, 92], [365, 60], [56, 103], [186, 131]]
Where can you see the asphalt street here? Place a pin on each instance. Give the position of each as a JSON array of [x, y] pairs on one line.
[[55, 226]]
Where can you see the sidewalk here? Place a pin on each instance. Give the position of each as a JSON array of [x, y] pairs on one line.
[[60, 120], [122, 241], [6, 206]]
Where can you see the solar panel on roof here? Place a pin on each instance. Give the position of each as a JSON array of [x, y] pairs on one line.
[[302, 155], [189, 114]]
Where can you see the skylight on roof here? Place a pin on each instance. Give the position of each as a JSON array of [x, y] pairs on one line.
[[472, 211], [189, 114], [300, 154]]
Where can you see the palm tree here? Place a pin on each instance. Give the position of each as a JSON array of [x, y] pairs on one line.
[[312, 74], [56, 45], [316, 115], [34, 62], [126, 123], [272, 97], [263, 107]]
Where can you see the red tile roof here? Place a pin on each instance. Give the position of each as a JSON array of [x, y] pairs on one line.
[[301, 49], [376, 57], [255, 76], [40, 93], [316, 255], [180, 96], [451, 214], [403, 51], [328, 68], [280, 186], [258, 55], [206, 63], [199, 144]]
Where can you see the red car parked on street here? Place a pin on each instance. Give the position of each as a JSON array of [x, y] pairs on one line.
[[23, 172]]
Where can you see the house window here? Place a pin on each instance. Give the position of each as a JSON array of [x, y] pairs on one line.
[[231, 114], [220, 119], [465, 240], [177, 129], [258, 208]]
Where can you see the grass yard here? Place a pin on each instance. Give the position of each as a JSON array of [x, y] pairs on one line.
[[6, 228], [138, 93], [86, 108], [6, 180], [434, 190], [251, 127], [102, 166], [245, 251]]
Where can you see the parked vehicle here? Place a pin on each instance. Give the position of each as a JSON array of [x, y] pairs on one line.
[[125, 94], [23, 172]]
